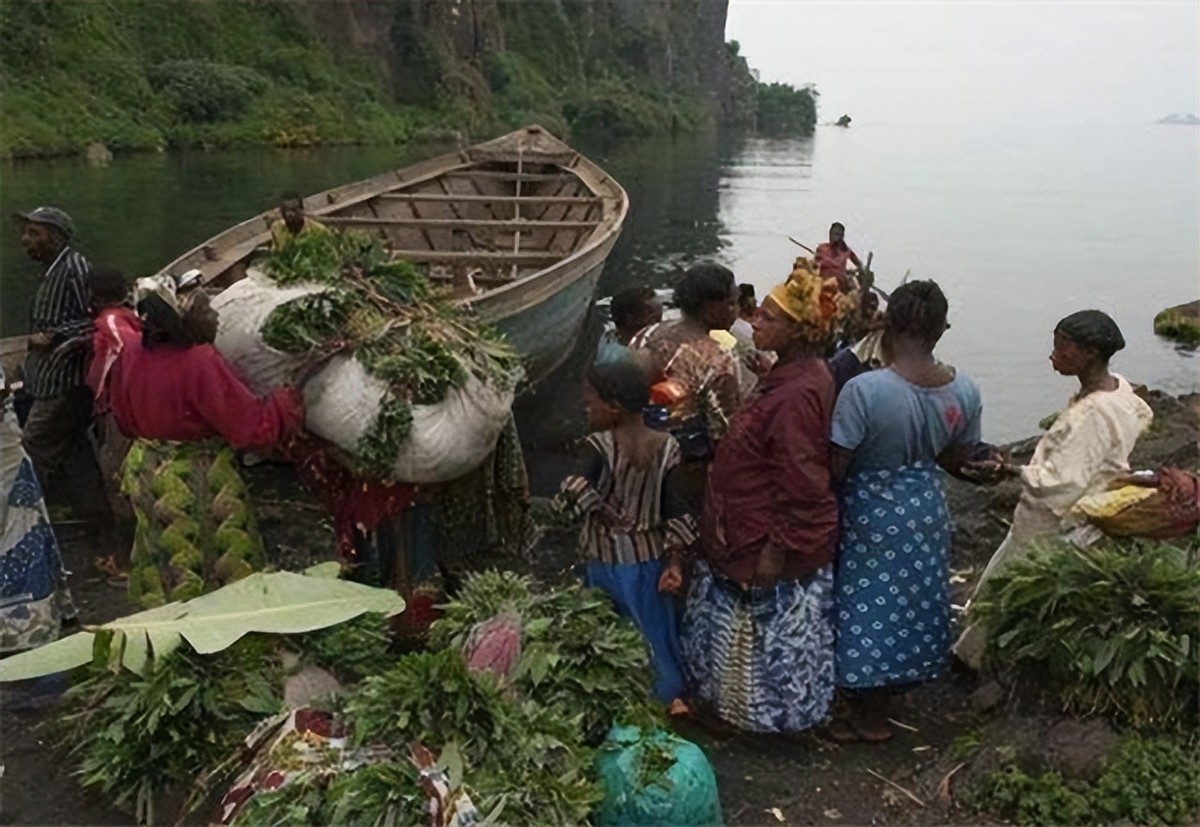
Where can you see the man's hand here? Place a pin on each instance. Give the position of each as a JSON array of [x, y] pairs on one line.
[[41, 339], [671, 579]]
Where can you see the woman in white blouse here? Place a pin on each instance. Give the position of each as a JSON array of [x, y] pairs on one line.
[[1086, 448]]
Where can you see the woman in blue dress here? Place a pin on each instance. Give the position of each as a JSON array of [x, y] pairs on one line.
[[892, 428]]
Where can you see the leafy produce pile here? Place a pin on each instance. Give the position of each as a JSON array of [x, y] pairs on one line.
[[1153, 781], [549, 674], [576, 656], [1110, 629], [388, 316], [138, 736]]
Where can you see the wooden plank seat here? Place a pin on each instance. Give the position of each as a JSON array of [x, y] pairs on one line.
[[520, 224], [519, 200]]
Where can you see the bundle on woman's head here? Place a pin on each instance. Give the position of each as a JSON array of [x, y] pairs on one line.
[[818, 304], [1093, 329], [619, 378], [168, 317]]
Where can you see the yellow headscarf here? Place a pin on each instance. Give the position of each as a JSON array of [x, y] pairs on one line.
[[818, 304]]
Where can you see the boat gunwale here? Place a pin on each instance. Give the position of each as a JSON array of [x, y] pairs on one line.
[[599, 183]]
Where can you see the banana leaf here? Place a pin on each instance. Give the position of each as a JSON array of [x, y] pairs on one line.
[[278, 602]]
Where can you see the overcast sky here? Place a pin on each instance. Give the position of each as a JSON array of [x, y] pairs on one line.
[[899, 61]]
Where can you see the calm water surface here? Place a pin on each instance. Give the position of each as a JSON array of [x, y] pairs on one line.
[[1019, 227]]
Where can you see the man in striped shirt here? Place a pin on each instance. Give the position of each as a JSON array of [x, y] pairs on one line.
[[60, 330]]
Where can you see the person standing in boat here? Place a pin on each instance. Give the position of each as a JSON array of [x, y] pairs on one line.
[[60, 324], [833, 256], [293, 222]]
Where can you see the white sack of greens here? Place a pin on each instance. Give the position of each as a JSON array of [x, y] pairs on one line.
[[408, 385]]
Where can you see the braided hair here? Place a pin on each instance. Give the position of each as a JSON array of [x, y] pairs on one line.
[[917, 309]]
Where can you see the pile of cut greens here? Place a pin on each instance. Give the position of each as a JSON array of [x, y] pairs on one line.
[[389, 317], [524, 751]]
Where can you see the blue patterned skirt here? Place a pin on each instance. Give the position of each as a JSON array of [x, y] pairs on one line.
[[762, 659], [891, 590]]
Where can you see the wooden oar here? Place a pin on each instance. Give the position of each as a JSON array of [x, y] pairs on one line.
[[802, 246]]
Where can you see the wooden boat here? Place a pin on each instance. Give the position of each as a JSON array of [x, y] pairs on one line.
[[527, 217]]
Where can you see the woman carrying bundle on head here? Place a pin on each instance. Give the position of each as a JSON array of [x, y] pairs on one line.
[[757, 640], [1086, 448], [634, 519], [177, 396], [892, 428]]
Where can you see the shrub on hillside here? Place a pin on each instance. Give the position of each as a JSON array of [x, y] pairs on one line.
[[201, 91], [1111, 629]]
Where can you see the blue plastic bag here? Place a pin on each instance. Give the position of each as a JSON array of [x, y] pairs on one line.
[[638, 792]]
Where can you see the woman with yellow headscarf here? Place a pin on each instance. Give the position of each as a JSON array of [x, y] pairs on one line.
[[757, 640]]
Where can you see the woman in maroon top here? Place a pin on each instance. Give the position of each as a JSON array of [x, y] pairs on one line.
[[757, 640]]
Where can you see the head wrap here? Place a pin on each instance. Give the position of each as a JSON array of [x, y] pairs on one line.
[[1093, 329], [817, 304], [161, 309]]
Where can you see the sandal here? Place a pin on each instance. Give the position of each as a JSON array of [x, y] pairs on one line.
[[847, 732]]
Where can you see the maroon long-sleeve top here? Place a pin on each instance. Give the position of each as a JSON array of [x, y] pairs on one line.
[[192, 394], [770, 480]]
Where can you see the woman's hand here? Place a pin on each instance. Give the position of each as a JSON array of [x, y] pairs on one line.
[[759, 362], [1144, 479], [991, 470], [671, 579]]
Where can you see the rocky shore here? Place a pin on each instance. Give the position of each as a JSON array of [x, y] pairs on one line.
[[762, 780]]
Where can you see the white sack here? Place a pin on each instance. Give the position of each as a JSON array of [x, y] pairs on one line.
[[342, 401]]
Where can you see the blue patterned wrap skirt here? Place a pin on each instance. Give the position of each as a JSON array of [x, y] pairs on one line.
[[761, 658], [892, 590]]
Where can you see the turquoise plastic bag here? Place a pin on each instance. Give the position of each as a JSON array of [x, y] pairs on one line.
[[655, 778]]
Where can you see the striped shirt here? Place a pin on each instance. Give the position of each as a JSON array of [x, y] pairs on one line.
[[631, 514], [60, 307]]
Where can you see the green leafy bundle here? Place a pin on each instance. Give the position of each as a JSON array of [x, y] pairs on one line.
[[138, 736], [1150, 781], [1113, 629], [577, 657], [388, 316], [520, 763]]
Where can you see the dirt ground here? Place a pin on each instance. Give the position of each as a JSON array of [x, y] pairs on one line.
[[762, 780]]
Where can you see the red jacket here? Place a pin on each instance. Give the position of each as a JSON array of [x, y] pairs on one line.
[[192, 394], [116, 328], [770, 480]]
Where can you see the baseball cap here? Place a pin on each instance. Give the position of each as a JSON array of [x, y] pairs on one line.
[[49, 215]]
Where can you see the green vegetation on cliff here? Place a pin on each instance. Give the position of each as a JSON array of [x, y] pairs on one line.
[[148, 74]]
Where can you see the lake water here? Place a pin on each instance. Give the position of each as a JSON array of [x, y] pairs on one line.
[[1020, 227]]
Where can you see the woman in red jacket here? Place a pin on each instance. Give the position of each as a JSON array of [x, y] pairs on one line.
[[178, 397]]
